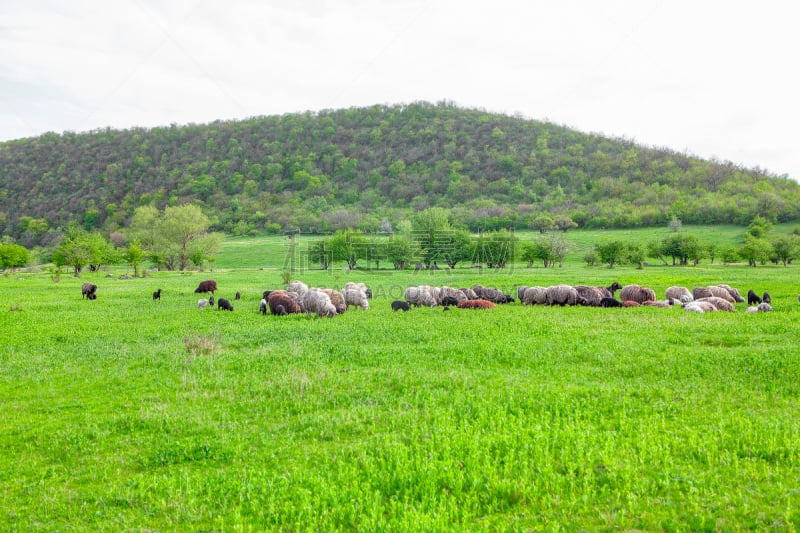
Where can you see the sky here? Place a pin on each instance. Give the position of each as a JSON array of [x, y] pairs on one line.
[[715, 79]]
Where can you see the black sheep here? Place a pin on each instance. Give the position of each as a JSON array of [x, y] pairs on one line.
[[767, 299], [753, 298], [89, 291], [211, 300], [262, 307], [224, 304], [400, 304], [266, 294], [238, 296], [157, 295], [610, 302], [449, 300], [280, 310]]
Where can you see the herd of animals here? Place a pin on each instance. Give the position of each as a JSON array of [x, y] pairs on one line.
[[299, 298]]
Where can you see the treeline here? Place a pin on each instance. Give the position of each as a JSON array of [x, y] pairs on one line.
[[362, 168]]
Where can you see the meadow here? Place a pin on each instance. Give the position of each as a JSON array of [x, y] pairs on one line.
[[128, 414]]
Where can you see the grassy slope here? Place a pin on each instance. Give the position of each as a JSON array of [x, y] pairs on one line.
[[114, 417]]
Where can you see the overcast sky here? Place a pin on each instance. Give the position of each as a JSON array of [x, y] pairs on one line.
[[713, 78]]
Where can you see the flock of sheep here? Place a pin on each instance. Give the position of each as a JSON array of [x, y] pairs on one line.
[[324, 302]]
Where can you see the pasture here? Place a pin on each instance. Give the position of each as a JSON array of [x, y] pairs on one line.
[[125, 413]]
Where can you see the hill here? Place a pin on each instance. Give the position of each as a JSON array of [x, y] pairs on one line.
[[364, 167]]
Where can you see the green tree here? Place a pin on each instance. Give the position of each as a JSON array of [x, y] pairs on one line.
[[635, 254], [318, 252], [458, 247], [80, 248], [611, 252], [496, 248], [759, 227], [564, 223], [432, 231], [400, 250], [348, 245], [134, 256], [542, 223], [755, 250], [785, 248], [13, 256]]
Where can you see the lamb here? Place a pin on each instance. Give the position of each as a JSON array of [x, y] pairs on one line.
[[534, 296], [610, 302], [337, 299], [224, 304], [208, 285], [318, 302], [157, 295], [262, 306], [720, 303], [753, 298], [663, 304], [476, 304], [630, 303], [238, 296], [202, 303], [282, 299], [679, 293], [700, 306], [280, 311], [760, 308], [354, 295], [636, 293], [211, 300], [767, 299], [562, 295], [449, 300], [89, 291], [299, 287], [400, 304]]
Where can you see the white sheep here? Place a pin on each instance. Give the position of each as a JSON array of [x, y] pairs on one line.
[[534, 296], [354, 295], [317, 302], [202, 303], [421, 295], [681, 294], [299, 287]]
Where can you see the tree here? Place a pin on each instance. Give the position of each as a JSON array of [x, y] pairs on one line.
[[13, 256], [459, 247], [400, 250], [559, 248], [635, 254], [495, 248], [348, 245], [432, 232], [758, 227], [675, 224], [564, 223], [318, 252], [542, 223], [80, 248], [611, 252], [755, 250], [785, 248], [134, 255]]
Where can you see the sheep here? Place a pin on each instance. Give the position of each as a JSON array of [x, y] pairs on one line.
[[663, 304], [760, 308], [451, 293], [420, 295], [262, 306], [700, 306], [534, 296], [318, 302], [469, 293], [636, 293], [89, 291], [449, 300], [238, 296], [491, 294], [202, 303], [679, 293], [610, 302], [266, 294], [630, 303], [299, 287], [208, 285], [767, 299], [446, 308], [720, 303], [521, 292], [337, 299], [721, 292], [476, 304], [592, 295], [354, 295], [734, 292], [400, 304], [157, 295], [280, 311], [282, 299], [562, 295], [701, 292], [753, 298], [211, 300], [224, 305]]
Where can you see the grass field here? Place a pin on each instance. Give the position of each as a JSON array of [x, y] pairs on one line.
[[126, 414]]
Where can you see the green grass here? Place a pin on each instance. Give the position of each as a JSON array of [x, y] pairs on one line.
[[129, 414]]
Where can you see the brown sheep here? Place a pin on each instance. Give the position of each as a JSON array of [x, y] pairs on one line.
[[337, 299], [630, 303], [720, 303], [89, 291], [637, 293], [280, 298], [476, 304], [208, 285]]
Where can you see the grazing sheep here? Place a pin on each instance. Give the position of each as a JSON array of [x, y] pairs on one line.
[[767, 299], [446, 308], [521, 292], [610, 302], [734, 292], [637, 293], [89, 291], [663, 304], [534, 296], [701, 292], [280, 311], [700, 306], [630, 303], [720, 303], [451, 293], [318, 302], [157, 295], [469, 293], [679, 293], [592, 295], [491, 294], [224, 305], [421, 295], [753, 298], [238, 296], [208, 285], [266, 294], [760, 308], [721, 292], [337, 299], [476, 304], [282, 299], [262, 306], [400, 304], [354, 295], [562, 295], [202, 303], [211, 300], [299, 287], [449, 300]]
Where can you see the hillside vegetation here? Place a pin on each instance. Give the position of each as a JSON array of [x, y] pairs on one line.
[[366, 167]]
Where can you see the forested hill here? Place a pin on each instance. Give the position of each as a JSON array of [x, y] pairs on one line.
[[364, 166]]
